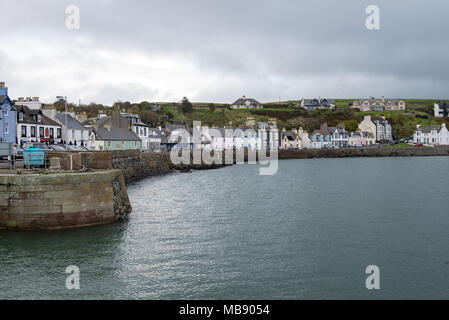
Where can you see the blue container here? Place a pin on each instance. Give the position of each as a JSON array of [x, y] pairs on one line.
[[34, 157]]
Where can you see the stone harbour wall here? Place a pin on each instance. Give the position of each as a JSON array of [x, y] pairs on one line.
[[62, 200], [362, 152], [137, 165]]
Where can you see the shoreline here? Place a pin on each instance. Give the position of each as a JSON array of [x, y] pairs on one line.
[[329, 154], [78, 199]]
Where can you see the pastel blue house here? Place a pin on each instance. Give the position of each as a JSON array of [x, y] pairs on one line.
[[8, 116]]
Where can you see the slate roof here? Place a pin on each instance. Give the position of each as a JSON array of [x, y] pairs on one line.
[[173, 127], [315, 102], [291, 136], [243, 101], [372, 100], [6, 98], [428, 129], [71, 122], [116, 134], [381, 120], [29, 114], [116, 121], [340, 129]]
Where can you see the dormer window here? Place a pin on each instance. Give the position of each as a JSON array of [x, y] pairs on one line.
[[39, 118], [20, 116]]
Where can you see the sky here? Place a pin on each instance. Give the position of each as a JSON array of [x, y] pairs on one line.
[[217, 50]]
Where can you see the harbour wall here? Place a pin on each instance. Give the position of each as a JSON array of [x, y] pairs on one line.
[[363, 152], [137, 165], [95, 193], [62, 200]]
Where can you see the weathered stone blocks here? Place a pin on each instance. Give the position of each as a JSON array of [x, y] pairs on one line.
[[62, 200]]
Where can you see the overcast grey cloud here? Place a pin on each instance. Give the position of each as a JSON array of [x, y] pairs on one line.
[[219, 50]]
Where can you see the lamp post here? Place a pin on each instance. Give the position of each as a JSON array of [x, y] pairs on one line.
[[65, 102]]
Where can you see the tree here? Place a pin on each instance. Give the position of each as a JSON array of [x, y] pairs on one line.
[[149, 116], [351, 125], [145, 105], [212, 107], [186, 106]]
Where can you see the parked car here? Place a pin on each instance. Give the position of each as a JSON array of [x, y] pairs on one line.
[[42, 146], [19, 153], [57, 147]]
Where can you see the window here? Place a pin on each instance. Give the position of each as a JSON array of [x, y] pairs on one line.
[[41, 131], [23, 131], [39, 118], [6, 113], [52, 133], [33, 131], [6, 128], [20, 116], [58, 133]]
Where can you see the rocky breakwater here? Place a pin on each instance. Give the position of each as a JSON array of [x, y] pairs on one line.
[[62, 200]]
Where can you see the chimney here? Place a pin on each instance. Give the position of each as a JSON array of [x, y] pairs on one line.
[[3, 89], [21, 99], [36, 99]]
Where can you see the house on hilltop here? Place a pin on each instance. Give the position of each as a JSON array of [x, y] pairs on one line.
[[246, 103], [313, 104], [383, 104]]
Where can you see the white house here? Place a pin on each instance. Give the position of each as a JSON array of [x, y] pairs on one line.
[[290, 140], [34, 127], [440, 110], [339, 136], [74, 133], [246, 103], [432, 135]]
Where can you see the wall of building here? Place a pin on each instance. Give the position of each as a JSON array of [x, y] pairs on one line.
[[62, 200], [123, 145]]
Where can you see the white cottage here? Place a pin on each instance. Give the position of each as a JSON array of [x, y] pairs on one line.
[[432, 135]]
